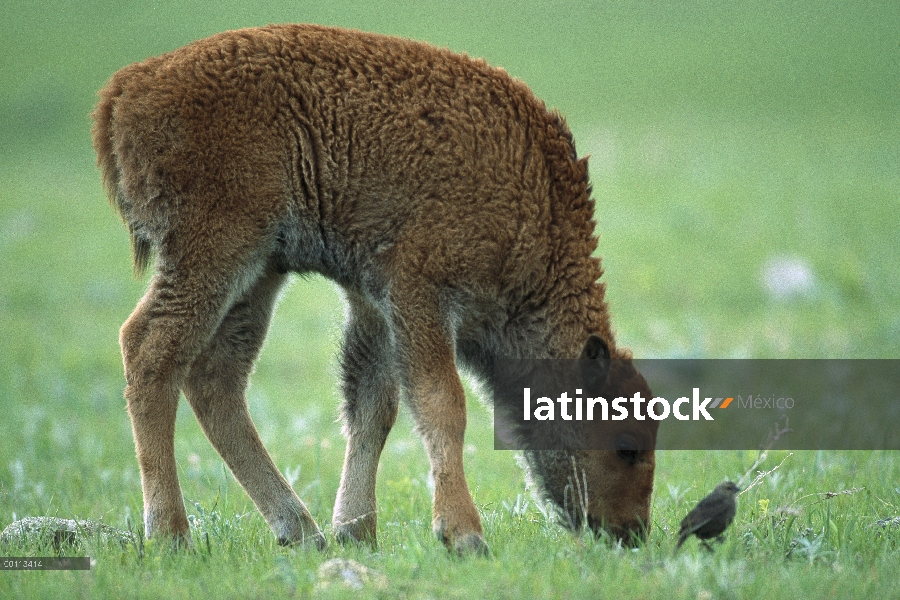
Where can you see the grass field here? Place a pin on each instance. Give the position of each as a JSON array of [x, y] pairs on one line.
[[746, 163]]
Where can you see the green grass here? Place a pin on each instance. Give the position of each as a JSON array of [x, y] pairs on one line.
[[722, 139]]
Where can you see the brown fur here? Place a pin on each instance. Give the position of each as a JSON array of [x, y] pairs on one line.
[[444, 198]]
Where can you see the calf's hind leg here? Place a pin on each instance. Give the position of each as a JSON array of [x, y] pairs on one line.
[[215, 389], [369, 411], [169, 327]]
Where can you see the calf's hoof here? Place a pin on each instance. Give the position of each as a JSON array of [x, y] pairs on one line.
[[471, 544], [316, 540], [462, 544], [356, 531]]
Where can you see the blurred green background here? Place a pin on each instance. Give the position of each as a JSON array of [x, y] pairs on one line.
[[745, 158]]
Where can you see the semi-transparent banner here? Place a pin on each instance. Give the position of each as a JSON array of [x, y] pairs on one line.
[[697, 404]]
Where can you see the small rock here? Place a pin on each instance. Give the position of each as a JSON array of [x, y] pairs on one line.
[[58, 532], [349, 574]]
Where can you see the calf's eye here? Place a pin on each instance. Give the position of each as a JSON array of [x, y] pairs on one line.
[[627, 449]]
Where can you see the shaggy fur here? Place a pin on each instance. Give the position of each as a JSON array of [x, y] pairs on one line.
[[444, 198]]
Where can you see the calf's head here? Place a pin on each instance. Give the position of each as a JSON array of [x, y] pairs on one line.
[[602, 476]]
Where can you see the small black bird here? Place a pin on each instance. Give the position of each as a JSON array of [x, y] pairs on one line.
[[711, 516]]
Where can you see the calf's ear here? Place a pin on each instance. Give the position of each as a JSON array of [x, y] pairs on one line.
[[595, 348], [595, 362]]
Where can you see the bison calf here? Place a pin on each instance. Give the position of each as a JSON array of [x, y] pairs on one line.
[[437, 191]]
